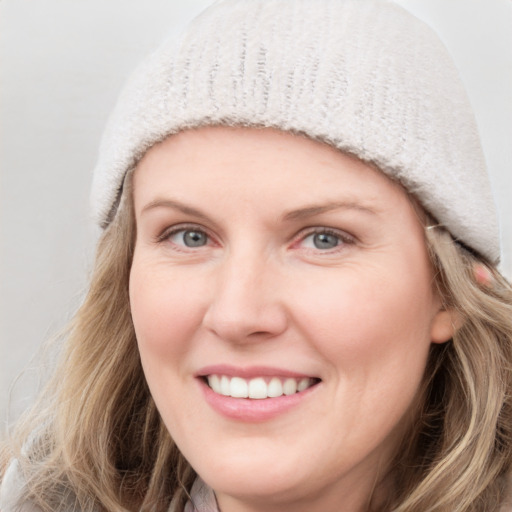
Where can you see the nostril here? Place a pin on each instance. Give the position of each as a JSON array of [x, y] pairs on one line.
[[242, 323]]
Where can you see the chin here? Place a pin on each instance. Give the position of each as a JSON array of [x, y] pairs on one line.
[[251, 476], [257, 486]]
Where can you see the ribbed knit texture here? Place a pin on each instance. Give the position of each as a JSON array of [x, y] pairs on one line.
[[362, 75]]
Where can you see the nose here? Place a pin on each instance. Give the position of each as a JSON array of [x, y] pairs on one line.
[[246, 303]]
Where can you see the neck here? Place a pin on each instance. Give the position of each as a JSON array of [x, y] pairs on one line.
[[370, 496]]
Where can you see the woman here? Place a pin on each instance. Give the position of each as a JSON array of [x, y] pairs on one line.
[[295, 303]]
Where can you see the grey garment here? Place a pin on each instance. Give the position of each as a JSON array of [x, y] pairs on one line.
[[202, 496], [202, 499], [12, 491]]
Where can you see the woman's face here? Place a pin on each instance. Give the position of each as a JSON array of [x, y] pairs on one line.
[[269, 264]]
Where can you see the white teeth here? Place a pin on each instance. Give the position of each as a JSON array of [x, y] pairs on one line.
[[238, 388], [214, 383], [290, 387], [257, 388], [303, 384], [224, 385], [275, 387]]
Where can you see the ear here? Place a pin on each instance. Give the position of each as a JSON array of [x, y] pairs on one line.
[[444, 325]]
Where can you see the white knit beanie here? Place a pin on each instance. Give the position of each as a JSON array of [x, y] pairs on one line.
[[364, 76]]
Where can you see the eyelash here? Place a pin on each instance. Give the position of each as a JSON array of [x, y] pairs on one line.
[[168, 233], [343, 237]]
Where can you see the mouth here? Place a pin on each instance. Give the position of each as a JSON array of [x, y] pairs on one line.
[[258, 388], [255, 394]]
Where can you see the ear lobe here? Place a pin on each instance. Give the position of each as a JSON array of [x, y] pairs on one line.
[[444, 325]]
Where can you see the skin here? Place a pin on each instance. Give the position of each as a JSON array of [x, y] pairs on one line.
[[360, 315]]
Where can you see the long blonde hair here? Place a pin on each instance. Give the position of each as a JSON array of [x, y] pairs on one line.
[[95, 437], [459, 453], [96, 440]]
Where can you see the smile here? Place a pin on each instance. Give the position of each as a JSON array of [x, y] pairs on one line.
[[258, 388]]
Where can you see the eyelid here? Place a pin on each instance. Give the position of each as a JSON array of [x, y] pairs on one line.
[[166, 234], [345, 238]]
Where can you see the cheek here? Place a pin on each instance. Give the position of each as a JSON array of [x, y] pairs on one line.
[[165, 312], [369, 323]]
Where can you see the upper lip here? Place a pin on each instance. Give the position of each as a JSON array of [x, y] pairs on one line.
[[250, 372]]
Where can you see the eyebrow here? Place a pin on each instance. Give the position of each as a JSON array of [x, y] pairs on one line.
[[311, 211], [292, 215], [176, 205]]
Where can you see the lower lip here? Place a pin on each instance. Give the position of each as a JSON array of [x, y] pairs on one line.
[[253, 410]]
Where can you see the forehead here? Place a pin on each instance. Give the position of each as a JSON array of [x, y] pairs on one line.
[[252, 161]]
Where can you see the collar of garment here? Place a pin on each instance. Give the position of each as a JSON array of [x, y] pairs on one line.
[[202, 498]]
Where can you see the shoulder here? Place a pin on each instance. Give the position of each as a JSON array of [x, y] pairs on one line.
[[507, 502], [507, 505], [12, 489]]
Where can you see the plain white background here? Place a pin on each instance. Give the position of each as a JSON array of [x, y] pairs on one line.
[[63, 63]]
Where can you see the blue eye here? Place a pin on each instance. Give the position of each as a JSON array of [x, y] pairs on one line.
[[189, 238], [323, 240]]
